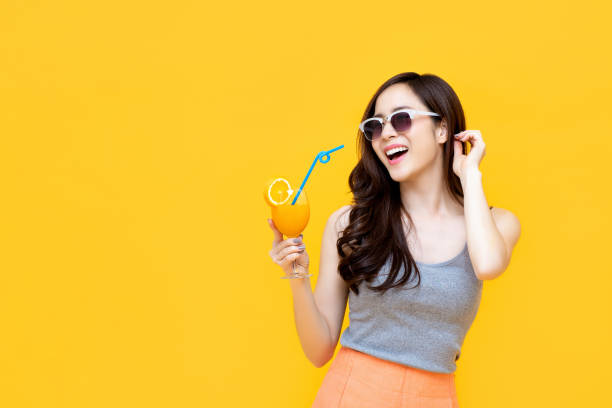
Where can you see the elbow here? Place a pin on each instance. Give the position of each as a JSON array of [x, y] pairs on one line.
[[489, 274], [484, 277], [318, 364], [322, 359], [493, 269]]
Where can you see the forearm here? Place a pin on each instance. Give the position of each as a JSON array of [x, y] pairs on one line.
[[311, 326], [485, 244]]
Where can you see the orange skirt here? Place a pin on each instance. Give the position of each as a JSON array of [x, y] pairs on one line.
[[359, 380]]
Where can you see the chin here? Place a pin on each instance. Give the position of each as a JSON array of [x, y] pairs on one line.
[[399, 175]]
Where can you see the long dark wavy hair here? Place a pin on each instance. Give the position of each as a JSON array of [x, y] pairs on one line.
[[373, 232]]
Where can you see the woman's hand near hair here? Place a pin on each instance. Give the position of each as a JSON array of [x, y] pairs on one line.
[[284, 252], [462, 163]]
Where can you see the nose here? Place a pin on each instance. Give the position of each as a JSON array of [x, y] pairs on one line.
[[388, 130]]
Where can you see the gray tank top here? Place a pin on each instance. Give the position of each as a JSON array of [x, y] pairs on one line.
[[422, 327]]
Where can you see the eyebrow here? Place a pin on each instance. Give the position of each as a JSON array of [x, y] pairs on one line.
[[380, 115]]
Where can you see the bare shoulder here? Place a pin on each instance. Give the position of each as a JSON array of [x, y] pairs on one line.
[[503, 214], [508, 225], [340, 218]]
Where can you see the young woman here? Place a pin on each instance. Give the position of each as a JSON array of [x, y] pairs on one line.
[[410, 254]]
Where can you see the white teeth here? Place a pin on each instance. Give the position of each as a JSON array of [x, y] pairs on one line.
[[395, 150]]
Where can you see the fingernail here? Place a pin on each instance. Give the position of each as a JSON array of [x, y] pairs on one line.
[[297, 240], [302, 247]]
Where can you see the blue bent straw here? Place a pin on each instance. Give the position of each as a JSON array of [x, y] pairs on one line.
[[319, 157]]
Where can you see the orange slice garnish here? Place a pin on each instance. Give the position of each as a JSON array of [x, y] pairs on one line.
[[277, 192]]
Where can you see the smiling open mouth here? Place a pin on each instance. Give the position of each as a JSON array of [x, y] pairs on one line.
[[396, 155]]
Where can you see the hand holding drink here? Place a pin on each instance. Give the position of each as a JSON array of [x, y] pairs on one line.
[[289, 253], [289, 220], [290, 215]]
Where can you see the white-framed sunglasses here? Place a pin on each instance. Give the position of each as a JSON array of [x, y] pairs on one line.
[[400, 120]]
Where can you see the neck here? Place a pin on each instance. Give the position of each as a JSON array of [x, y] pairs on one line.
[[425, 196]]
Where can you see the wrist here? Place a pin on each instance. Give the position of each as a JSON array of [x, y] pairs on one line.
[[298, 284], [472, 173], [298, 272]]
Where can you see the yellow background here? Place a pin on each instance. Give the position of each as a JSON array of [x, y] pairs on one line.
[[135, 140]]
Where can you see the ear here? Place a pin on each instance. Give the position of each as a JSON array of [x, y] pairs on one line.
[[442, 132]]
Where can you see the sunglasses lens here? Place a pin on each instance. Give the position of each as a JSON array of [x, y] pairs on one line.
[[372, 129], [401, 121]]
